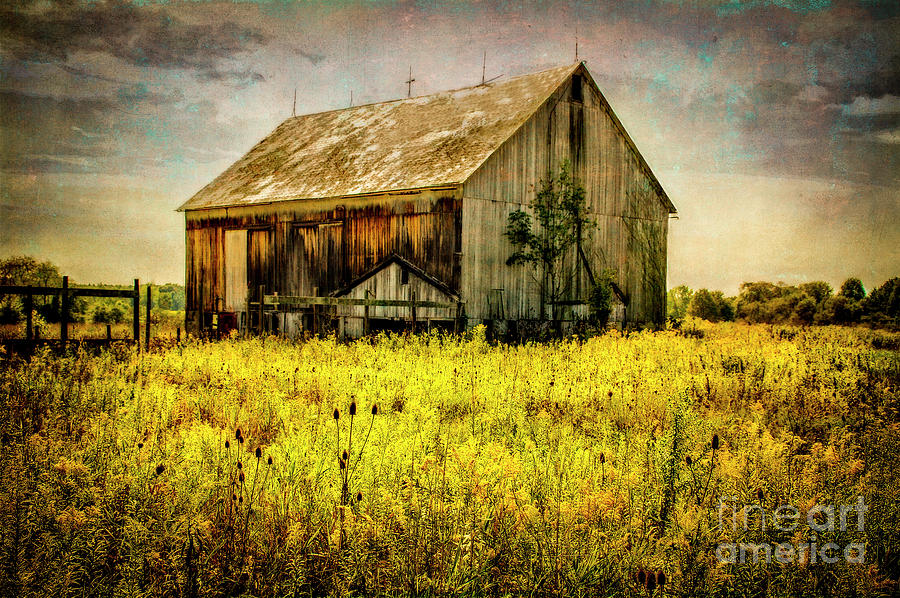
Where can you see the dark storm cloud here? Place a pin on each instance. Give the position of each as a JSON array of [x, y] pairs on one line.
[[121, 135], [313, 58], [144, 37], [788, 89], [84, 74], [44, 134], [241, 77], [852, 49]]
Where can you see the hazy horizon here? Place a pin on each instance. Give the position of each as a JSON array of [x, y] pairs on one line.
[[773, 126]]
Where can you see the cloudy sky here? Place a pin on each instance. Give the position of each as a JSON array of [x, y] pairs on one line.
[[774, 125]]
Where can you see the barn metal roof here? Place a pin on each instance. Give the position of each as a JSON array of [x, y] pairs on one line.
[[425, 141]]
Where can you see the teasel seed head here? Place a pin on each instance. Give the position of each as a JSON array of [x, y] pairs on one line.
[[240, 499], [352, 408], [344, 455], [258, 453], [759, 495], [160, 468], [602, 458], [374, 408], [241, 477], [359, 497], [715, 442], [234, 497], [660, 578], [140, 445], [641, 577], [609, 394], [651, 582], [237, 434], [337, 414], [342, 463], [688, 460], [241, 440], [227, 444], [269, 460], [240, 465]]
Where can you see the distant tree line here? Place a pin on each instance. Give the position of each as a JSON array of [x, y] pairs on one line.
[[803, 304], [24, 270]]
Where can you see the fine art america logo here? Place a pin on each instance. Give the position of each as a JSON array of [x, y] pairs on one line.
[[820, 519]]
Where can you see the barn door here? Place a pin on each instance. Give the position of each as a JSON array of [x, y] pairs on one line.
[[317, 258], [260, 261], [330, 238], [235, 270], [304, 242]]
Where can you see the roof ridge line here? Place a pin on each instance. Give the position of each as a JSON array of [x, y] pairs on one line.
[[428, 95]]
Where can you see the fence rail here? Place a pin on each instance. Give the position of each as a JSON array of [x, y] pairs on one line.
[[72, 291], [286, 300], [65, 292], [298, 303]]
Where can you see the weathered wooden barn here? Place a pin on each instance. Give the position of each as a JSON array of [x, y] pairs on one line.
[[410, 198]]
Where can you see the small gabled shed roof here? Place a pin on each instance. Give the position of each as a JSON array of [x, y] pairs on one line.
[[405, 265]]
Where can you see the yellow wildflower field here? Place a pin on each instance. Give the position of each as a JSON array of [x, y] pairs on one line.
[[720, 460]]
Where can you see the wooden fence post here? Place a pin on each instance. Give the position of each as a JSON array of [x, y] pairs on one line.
[[412, 307], [278, 323], [315, 316], [29, 306], [247, 315], [108, 332], [64, 312], [136, 320], [147, 322], [178, 335], [366, 316], [200, 322], [262, 291]]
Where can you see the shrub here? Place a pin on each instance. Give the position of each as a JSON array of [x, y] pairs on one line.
[[601, 297]]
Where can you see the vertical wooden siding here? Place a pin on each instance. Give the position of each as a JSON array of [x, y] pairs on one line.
[[300, 246], [204, 271], [632, 220]]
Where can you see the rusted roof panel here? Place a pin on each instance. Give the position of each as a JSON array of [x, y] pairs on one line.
[[425, 141]]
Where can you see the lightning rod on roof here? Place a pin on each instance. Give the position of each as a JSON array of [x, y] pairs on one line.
[[294, 109], [409, 83], [576, 43], [483, 71]]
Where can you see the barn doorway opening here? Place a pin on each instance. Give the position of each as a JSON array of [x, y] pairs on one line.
[[235, 304]]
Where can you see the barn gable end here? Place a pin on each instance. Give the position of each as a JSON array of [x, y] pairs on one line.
[[623, 196]]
